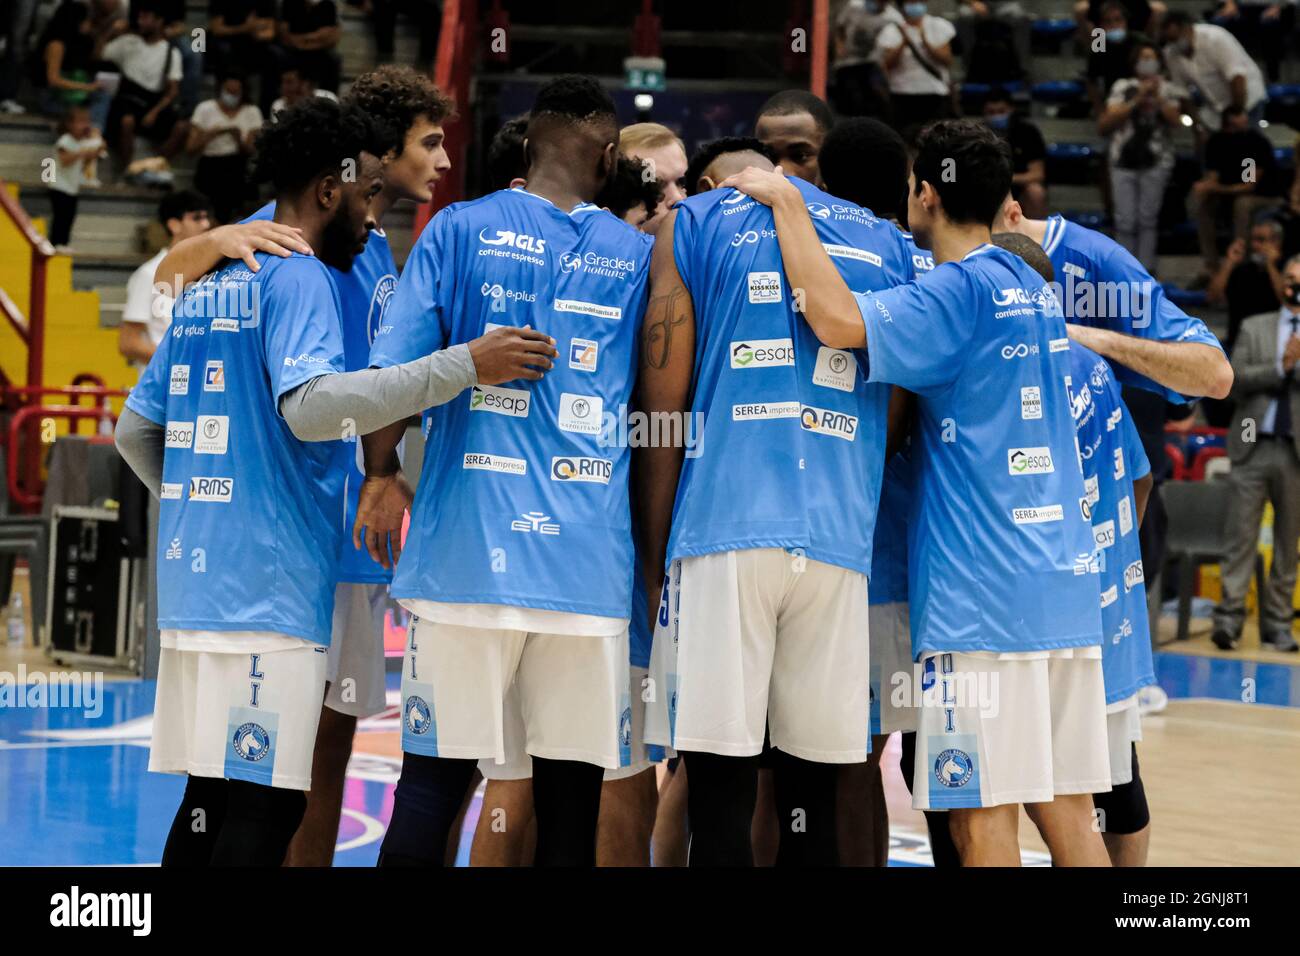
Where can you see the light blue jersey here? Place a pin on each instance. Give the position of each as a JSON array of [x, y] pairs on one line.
[[523, 497], [364, 293], [1002, 557], [794, 437], [249, 517], [1113, 459], [1100, 284]]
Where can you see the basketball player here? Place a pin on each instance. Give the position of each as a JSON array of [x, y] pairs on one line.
[[666, 153], [414, 107], [521, 488], [793, 124], [768, 541], [1014, 706], [231, 426]]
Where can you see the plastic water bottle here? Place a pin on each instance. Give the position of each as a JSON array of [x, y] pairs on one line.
[[16, 625]]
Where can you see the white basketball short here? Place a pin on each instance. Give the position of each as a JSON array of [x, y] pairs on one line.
[[519, 766], [1012, 728], [762, 637], [1123, 730], [572, 692], [356, 659], [248, 714], [893, 672]]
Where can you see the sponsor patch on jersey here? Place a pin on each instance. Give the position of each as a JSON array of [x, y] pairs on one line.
[[571, 468], [535, 522], [179, 435], [762, 353], [225, 325], [509, 466], [764, 287], [1110, 595], [1038, 515], [1090, 489], [212, 434], [214, 376], [583, 354], [171, 490], [823, 421], [589, 308], [766, 410], [211, 489], [180, 380], [849, 252], [1030, 461], [1059, 345], [1119, 463], [836, 368], [581, 413], [1133, 576], [1104, 534], [1031, 403], [1125, 516], [500, 401]]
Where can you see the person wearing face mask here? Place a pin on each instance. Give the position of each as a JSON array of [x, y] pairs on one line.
[[1028, 152], [1110, 54], [916, 56], [1249, 280], [221, 135], [1141, 110], [1265, 454], [1209, 58]]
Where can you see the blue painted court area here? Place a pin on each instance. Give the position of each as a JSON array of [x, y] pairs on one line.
[[75, 790]]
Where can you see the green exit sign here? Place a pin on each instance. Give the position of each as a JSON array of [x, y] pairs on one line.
[[644, 73]]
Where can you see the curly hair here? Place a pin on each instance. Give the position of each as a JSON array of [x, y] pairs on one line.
[[399, 95], [631, 184], [706, 154], [314, 137]]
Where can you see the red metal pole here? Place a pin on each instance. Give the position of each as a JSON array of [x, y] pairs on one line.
[[821, 25]]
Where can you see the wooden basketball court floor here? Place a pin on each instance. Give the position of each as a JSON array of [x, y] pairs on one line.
[[1221, 764]]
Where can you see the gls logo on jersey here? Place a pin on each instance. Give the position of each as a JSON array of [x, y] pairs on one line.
[[1030, 461], [581, 413], [518, 240], [214, 376], [835, 368], [212, 489], [583, 354], [762, 353], [764, 287], [213, 435], [595, 470], [823, 421], [501, 401], [179, 435]]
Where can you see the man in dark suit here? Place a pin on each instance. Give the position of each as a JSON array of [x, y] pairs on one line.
[[1264, 446]]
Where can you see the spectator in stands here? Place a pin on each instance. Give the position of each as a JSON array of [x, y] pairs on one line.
[[1142, 16], [858, 86], [916, 55], [1209, 58], [148, 309], [1141, 111], [240, 34], [178, 32], [307, 34], [221, 135], [65, 68], [1264, 445], [1249, 279], [995, 39], [1263, 25], [77, 149], [146, 97], [1028, 152], [1110, 56], [294, 86], [506, 164], [665, 153], [794, 123], [109, 19], [427, 20], [1241, 177], [14, 28]]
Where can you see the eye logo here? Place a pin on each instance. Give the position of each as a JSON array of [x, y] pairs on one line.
[[570, 262], [819, 210]]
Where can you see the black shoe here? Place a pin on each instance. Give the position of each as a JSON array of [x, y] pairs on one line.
[[1281, 641], [1225, 641]]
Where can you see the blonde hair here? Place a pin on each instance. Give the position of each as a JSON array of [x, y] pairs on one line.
[[645, 136]]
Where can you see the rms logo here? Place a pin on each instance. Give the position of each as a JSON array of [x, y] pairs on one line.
[[518, 240], [211, 489]]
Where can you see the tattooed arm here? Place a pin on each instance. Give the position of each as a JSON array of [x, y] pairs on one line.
[[667, 366]]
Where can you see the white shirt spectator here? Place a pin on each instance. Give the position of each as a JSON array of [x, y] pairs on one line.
[[910, 77], [1216, 60], [208, 115], [143, 63], [145, 306], [68, 179], [859, 29]]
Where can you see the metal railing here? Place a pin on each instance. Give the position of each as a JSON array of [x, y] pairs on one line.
[[32, 328]]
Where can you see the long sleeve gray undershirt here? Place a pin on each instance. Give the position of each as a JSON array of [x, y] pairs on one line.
[[326, 407]]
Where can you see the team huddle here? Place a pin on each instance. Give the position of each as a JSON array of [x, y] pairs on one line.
[[722, 467]]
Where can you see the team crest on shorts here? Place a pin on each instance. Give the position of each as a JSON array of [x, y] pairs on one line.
[[251, 741], [953, 768], [417, 715], [625, 727]]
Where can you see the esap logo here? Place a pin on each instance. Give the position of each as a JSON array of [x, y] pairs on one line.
[[1039, 515], [1104, 534], [535, 522], [212, 489], [583, 354], [595, 470], [501, 401], [764, 287], [1030, 461], [762, 353], [179, 435], [741, 413], [518, 240], [225, 325], [850, 252], [1133, 576], [180, 380], [213, 435], [1110, 595], [581, 413], [509, 466], [589, 308], [1031, 403], [171, 491], [214, 376], [836, 368], [1125, 516], [823, 421]]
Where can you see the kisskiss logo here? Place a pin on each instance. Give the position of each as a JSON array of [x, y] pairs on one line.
[[595, 470], [762, 353], [212, 489], [1030, 461]]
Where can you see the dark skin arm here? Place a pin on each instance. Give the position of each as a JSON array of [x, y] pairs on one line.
[[1142, 494], [667, 367], [902, 409]]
